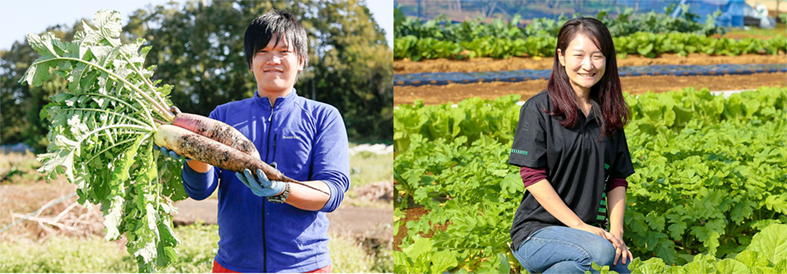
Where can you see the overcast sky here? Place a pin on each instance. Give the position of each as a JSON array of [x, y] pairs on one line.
[[20, 17]]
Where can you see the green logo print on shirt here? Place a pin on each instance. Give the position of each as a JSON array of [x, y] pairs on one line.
[[517, 151], [602, 210]]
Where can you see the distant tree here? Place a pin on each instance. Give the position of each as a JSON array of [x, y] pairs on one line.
[[199, 50], [418, 8], [354, 69], [11, 95], [19, 103]]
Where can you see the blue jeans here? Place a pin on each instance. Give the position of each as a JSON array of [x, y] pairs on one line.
[[559, 249]]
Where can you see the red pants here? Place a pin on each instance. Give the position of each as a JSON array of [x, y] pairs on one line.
[[217, 268]]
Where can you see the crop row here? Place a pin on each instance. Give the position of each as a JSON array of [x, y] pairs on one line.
[[625, 23], [764, 255], [640, 43], [710, 173]]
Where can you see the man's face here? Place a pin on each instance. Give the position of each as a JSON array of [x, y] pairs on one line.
[[276, 68]]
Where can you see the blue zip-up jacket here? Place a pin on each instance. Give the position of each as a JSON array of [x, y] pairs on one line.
[[308, 141]]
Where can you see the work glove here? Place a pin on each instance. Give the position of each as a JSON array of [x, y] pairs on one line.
[[260, 186], [170, 153]]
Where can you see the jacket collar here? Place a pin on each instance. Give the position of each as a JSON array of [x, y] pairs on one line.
[[281, 102]]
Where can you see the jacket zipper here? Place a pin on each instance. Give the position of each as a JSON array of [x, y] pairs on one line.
[[267, 153], [273, 160]]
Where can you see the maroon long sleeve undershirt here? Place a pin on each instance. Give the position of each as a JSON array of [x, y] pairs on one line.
[[531, 176]]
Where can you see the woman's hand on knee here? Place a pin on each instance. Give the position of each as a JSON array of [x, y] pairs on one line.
[[621, 251]]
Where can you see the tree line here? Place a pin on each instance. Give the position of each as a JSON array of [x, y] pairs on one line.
[[198, 49]]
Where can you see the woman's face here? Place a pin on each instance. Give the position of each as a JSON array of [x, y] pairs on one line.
[[584, 63]]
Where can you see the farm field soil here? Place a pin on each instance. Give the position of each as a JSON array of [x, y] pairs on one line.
[[432, 95], [517, 63], [413, 214], [24, 198], [370, 217]]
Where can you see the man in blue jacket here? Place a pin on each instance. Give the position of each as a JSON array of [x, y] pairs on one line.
[[272, 226]]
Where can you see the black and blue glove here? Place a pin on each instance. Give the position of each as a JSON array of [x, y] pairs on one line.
[[260, 186]]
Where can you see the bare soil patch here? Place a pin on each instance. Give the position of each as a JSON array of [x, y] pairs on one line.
[[373, 223], [517, 63], [414, 214], [410, 214], [64, 218], [380, 192], [454, 93], [358, 222]]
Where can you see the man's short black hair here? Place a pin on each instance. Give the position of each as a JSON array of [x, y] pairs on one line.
[[278, 25]]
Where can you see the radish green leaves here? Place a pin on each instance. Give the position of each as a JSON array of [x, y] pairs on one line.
[[101, 130]]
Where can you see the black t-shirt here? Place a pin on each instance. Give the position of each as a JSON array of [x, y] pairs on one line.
[[577, 164]]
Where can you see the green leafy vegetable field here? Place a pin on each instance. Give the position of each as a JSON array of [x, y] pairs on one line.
[[711, 172], [648, 34], [640, 43]]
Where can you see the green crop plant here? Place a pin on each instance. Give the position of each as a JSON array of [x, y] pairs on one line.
[[101, 130], [710, 174]]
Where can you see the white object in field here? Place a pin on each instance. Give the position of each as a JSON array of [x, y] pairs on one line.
[[727, 93], [762, 10], [375, 148], [765, 21]]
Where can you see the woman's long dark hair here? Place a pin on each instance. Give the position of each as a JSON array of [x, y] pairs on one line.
[[606, 96]]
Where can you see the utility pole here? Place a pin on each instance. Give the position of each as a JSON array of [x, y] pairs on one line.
[[418, 9]]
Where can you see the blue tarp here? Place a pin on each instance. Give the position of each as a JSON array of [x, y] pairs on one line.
[[445, 78], [732, 14]]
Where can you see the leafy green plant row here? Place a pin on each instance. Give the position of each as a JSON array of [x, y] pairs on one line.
[[641, 43], [650, 45], [471, 118], [498, 118], [469, 184], [625, 23], [429, 48], [765, 254], [710, 173]]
